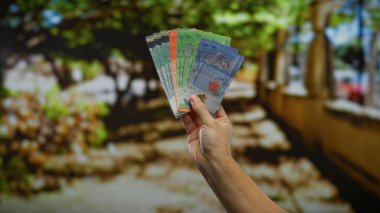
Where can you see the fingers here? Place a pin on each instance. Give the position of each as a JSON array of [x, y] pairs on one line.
[[221, 113], [195, 118], [188, 123], [200, 110]]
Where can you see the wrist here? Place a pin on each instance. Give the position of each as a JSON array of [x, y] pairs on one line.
[[213, 163]]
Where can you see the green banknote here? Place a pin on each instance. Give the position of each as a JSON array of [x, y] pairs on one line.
[[180, 47], [155, 53], [186, 53], [184, 40], [160, 56]]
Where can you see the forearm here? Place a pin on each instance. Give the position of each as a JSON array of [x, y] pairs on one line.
[[235, 189]]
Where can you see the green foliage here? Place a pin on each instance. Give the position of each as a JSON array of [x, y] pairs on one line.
[[16, 169], [266, 21], [53, 106], [348, 11], [9, 93], [77, 37], [373, 7], [67, 120], [251, 23], [90, 69], [348, 52], [3, 179], [98, 136], [297, 48], [342, 16], [103, 109]]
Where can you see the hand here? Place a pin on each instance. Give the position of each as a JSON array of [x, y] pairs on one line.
[[209, 138], [209, 145]]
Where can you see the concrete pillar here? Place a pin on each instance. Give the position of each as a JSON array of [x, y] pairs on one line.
[[316, 76], [280, 57]]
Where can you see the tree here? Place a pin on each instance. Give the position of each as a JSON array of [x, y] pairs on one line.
[[258, 27], [366, 12], [85, 30], [91, 30], [373, 22], [342, 15]]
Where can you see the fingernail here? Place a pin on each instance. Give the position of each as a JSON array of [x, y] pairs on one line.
[[194, 98]]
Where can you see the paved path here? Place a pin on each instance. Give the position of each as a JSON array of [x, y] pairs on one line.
[[125, 193]]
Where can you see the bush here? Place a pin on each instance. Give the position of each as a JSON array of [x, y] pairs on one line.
[[32, 127]]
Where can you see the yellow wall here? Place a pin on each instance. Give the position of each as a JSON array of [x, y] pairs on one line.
[[351, 142]]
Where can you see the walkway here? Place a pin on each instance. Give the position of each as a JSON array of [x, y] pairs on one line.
[[158, 176]]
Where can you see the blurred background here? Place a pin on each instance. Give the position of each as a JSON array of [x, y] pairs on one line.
[[85, 125]]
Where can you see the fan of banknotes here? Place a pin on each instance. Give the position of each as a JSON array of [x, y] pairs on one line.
[[193, 62]]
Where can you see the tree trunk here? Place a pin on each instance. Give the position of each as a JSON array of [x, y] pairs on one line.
[[361, 57], [148, 75], [329, 69], [263, 67], [120, 93], [4, 53], [61, 74], [115, 118], [372, 69], [263, 75], [2, 68]]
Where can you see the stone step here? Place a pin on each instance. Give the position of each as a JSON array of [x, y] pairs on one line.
[[148, 131]]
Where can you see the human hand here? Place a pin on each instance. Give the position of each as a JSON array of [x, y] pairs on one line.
[[209, 145], [209, 138]]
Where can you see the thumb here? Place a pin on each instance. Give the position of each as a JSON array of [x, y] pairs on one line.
[[200, 110], [221, 113]]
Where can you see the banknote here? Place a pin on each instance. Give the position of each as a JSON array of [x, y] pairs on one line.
[[206, 47], [154, 51], [173, 36], [186, 49], [214, 74], [180, 36], [167, 63], [214, 40], [190, 61], [161, 58], [194, 47], [158, 48], [164, 51], [181, 45]]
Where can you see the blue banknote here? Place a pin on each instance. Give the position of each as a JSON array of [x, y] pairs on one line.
[[215, 69], [205, 48]]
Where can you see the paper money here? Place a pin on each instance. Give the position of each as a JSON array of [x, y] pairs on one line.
[[193, 62], [180, 55], [213, 75], [173, 36], [183, 97], [158, 48], [153, 49], [188, 46]]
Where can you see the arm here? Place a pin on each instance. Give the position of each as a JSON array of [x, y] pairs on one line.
[[209, 140], [235, 189]]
